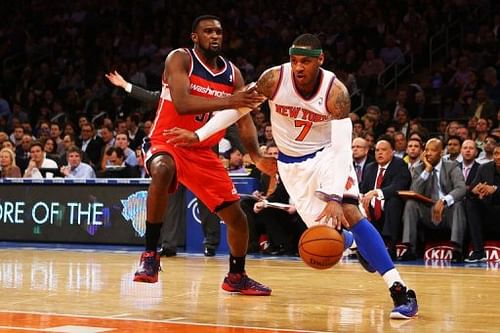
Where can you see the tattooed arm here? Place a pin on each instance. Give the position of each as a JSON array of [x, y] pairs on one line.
[[266, 85]]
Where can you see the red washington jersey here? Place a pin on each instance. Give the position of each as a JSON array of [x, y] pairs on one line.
[[203, 82]]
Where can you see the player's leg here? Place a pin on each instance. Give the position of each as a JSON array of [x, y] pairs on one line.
[[237, 237], [217, 192], [161, 167], [371, 246]]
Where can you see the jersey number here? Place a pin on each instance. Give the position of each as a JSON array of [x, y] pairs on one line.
[[203, 117], [306, 127]]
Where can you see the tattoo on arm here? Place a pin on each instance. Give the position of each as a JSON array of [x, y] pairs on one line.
[[268, 82], [339, 102]]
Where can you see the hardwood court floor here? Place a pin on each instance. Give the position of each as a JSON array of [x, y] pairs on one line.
[[89, 292]]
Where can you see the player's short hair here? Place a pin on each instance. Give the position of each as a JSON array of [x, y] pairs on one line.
[[307, 40], [200, 18]]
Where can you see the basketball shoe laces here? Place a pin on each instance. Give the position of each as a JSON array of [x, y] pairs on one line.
[[149, 265], [241, 281]]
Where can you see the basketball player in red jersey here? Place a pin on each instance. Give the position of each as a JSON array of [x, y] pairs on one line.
[[197, 82], [312, 129]]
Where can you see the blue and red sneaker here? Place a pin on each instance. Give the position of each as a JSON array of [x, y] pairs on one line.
[[405, 302], [149, 267], [241, 283]]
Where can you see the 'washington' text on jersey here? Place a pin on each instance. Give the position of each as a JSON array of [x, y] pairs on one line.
[[208, 91]]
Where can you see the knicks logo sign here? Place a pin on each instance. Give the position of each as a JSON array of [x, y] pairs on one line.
[[349, 183]]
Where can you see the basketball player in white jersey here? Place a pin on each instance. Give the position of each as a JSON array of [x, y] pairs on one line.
[[312, 129]]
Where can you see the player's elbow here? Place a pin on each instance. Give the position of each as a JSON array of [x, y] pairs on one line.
[[182, 107]]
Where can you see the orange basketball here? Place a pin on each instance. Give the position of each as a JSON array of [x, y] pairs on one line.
[[321, 246]]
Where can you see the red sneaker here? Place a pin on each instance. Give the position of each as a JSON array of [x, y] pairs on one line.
[[149, 267], [241, 283]]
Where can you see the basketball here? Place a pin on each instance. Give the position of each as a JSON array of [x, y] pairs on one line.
[[321, 246]]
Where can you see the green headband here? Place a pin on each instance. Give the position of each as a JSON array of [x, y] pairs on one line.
[[305, 52]]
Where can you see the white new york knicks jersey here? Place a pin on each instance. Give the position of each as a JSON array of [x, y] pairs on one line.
[[300, 126]]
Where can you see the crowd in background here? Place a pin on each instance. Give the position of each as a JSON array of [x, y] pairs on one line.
[[59, 116]]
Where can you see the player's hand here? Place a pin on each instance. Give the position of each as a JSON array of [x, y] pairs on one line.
[[267, 165], [333, 214], [180, 137], [246, 97], [116, 79]]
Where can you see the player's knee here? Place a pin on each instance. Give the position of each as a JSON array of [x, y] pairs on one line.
[[162, 167], [352, 214]]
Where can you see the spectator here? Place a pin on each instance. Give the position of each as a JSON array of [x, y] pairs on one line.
[[235, 161], [90, 145], [492, 85], [117, 168], [413, 153], [399, 144], [369, 71], [39, 161], [443, 182], [453, 146], [49, 148], [463, 132], [360, 157], [469, 165], [483, 208], [391, 52], [76, 168], [482, 106], [17, 136], [55, 134], [486, 155], [23, 152], [135, 133], [121, 140], [382, 179], [8, 167]]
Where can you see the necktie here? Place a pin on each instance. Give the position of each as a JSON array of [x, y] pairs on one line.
[[377, 209], [359, 175], [466, 172], [434, 186]]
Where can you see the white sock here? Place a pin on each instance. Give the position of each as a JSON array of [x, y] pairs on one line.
[[392, 276]]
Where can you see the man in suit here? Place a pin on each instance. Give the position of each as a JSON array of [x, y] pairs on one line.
[[91, 145], [469, 165], [360, 156], [382, 179], [483, 207], [444, 182]]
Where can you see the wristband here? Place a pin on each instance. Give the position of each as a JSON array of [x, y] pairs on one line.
[[328, 197]]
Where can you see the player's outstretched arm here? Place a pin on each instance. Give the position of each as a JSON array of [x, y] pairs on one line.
[[177, 75]]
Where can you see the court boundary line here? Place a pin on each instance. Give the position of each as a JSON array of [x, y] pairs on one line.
[[159, 321]]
